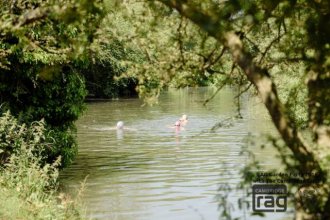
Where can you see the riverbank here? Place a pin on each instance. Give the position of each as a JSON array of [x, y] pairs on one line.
[[29, 187]]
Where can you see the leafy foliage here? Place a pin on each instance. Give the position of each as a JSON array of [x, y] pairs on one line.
[[104, 67], [27, 185], [13, 135], [171, 51], [41, 43]]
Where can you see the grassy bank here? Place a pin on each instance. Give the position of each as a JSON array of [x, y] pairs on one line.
[[28, 188]]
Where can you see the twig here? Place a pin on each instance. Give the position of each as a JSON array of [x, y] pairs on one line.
[[208, 62], [224, 82], [251, 42], [216, 92], [269, 46], [241, 92], [218, 57]]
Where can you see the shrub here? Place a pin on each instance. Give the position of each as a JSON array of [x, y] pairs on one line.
[[27, 184], [58, 101]]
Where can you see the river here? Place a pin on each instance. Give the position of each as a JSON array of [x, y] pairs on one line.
[[152, 171]]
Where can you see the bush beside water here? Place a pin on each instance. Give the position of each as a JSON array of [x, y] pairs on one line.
[[28, 186]]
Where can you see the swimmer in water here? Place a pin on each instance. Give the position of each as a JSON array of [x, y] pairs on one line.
[[183, 120], [120, 130], [120, 125], [177, 126]]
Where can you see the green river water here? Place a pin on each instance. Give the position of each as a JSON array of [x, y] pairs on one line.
[[152, 171]]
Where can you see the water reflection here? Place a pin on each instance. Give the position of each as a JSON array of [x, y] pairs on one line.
[[157, 172], [120, 134]]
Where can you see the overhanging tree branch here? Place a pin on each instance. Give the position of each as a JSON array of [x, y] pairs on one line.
[[258, 76], [32, 16]]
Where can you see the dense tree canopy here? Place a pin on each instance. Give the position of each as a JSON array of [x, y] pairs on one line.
[[41, 45]]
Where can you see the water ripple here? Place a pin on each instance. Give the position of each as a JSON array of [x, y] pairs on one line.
[[151, 171]]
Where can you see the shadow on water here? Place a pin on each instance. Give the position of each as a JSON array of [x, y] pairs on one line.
[[151, 171]]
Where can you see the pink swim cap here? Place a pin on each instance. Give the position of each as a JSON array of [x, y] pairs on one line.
[[177, 123]]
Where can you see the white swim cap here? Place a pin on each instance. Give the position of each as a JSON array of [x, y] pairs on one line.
[[120, 125]]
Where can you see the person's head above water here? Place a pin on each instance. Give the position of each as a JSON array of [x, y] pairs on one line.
[[120, 125], [177, 124], [184, 117]]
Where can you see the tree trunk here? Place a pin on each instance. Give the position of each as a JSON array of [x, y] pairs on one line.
[[258, 76]]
